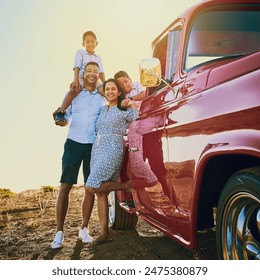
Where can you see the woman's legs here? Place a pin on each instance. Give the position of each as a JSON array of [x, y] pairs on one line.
[[109, 186], [102, 205]]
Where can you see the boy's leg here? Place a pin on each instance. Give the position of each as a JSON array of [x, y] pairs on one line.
[[59, 114], [99, 87]]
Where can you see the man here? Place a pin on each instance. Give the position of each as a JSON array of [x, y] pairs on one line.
[[83, 112]]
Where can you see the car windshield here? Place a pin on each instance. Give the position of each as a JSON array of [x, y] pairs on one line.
[[220, 34]]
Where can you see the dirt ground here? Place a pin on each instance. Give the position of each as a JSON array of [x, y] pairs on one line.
[[27, 228]]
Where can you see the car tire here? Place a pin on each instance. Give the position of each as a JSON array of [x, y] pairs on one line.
[[238, 217], [118, 218]]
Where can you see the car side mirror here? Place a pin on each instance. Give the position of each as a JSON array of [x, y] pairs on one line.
[[151, 76], [150, 72]]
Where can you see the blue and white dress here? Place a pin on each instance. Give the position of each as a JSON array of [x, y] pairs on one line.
[[108, 147]]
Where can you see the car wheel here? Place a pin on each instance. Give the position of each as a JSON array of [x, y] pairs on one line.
[[118, 217], [238, 217]]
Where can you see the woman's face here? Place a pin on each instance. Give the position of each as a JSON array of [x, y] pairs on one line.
[[111, 92]]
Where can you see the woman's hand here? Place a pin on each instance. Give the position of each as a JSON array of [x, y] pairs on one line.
[[125, 102]]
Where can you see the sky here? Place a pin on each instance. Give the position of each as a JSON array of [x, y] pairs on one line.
[[39, 40]]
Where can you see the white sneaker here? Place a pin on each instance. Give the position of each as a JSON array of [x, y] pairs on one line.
[[58, 240], [84, 235]]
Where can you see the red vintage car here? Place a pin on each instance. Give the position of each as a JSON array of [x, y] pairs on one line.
[[193, 155]]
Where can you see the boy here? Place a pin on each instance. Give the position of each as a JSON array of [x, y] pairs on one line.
[[133, 90], [82, 57]]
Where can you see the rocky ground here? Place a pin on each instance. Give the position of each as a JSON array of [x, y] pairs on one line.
[[27, 227]]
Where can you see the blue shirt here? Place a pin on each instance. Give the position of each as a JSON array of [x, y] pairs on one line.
[[82, 58], [83, 113]]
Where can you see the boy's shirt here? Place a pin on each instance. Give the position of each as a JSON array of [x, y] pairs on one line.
[[82, 58], [136, 89]]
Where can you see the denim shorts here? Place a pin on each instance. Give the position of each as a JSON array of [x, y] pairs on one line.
[[74, 154]]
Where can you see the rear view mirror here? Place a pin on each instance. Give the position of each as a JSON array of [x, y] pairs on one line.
[[150, 72]]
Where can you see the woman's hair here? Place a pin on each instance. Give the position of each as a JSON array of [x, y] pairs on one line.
[[121, 96]]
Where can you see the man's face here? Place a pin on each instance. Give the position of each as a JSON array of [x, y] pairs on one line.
[[91, 74]]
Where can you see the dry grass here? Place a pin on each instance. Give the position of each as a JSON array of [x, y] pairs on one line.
[[28, 226]]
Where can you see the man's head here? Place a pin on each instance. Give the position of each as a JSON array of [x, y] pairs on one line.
[[91, 74]]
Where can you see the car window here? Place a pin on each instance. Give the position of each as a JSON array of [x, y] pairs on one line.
[[221, 34]]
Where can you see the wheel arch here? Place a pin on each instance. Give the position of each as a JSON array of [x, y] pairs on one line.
[[215, 172], [238, 227]]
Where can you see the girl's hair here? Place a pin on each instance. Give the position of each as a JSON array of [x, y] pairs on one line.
[[121, 96]]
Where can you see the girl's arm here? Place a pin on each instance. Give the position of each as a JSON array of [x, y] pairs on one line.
[[75, 84]]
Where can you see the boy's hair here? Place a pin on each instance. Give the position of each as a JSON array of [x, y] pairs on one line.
[[89, 33], [121, 74], [121, 96], [92, 63]]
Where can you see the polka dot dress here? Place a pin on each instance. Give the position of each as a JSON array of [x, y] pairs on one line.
[[108, 147]]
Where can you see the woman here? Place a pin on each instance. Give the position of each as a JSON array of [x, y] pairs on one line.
[[108, 150]]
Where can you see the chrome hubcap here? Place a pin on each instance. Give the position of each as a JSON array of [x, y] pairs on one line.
[[241, 227]]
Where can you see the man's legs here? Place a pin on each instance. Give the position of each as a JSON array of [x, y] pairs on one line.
[[88, 199], [62, 204], [87, 206]]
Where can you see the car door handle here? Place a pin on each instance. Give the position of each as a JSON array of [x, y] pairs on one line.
[[133, 149]]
